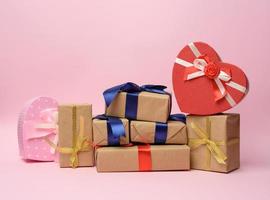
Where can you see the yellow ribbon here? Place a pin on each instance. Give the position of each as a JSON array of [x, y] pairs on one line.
[[81, 143], [212, 146]]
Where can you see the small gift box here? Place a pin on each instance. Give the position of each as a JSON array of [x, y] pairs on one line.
[[75, 136], [110, 131], [37, 125], [203, 84], [173, 132], [214, 142], [143, 158], [148, 102]]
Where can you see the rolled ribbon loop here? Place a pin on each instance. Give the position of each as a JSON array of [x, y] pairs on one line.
[[115, 129], [111, 93], [129, 87], [154, 88], [203, 66]]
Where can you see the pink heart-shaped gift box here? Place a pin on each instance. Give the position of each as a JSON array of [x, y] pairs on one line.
[[38, 123]]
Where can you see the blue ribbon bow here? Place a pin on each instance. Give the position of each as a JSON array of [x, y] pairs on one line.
[[162, 128], [115, 129], [133, 91]]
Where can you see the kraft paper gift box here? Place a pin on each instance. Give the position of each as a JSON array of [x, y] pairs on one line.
[[110, 131], [143, 158], [173, 132], [148, 103], [214, 142], [75, 135]]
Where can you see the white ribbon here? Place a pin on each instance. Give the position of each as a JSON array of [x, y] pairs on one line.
[[50, 116], [200, 64]]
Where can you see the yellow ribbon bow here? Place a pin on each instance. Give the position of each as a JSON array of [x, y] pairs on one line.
[[81, 143], [212, 146]]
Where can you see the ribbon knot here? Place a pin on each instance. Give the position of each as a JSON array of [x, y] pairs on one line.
[[212, 71], [212, 146], [205, 67], [207, 141], [47, 126], [129, 87], [81, 143], [132, 96]]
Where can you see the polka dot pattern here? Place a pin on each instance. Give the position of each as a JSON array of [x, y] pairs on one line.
[[37, 148]]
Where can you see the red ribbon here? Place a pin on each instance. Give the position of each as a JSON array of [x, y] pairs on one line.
[[144, 155]]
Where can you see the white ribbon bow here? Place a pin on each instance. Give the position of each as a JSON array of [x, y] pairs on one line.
[[50, 118]]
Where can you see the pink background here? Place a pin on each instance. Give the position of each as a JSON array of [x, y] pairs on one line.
[[73, 50]]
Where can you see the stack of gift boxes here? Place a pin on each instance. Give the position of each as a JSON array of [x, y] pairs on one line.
[[148, 140], [137, 131]]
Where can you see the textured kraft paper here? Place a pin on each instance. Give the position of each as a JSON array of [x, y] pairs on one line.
[[151, 106], [66, 123], [224, 127], [100, 133], [123, 159], [144, 132]]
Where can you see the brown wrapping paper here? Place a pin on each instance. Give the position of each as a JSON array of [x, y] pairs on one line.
[[69, 126], [144, 132], [163, 157], [224, 130], [100, 133], [151, 107]]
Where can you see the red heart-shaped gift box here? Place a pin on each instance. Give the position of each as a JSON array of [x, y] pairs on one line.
[[205, 85]]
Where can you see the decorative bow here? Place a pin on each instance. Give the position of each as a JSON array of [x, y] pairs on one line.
[[203, 66], [43, 127], [212, 146], [111, 93], [80, 143]]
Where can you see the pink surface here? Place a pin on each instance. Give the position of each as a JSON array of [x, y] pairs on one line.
[[73, 50], [36, 121]]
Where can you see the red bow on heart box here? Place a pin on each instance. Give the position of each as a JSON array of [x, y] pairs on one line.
[[203, 84]]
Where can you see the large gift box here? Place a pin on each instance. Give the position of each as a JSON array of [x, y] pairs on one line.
[[214, 142], [75, 135], [148, 102], [172, 132], [204, 84], [143, 158], [110, 131]]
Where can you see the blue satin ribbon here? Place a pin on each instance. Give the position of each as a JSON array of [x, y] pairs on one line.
[[161, 133], [133, 91], [115, 129], [162, 128], [178, 117]]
